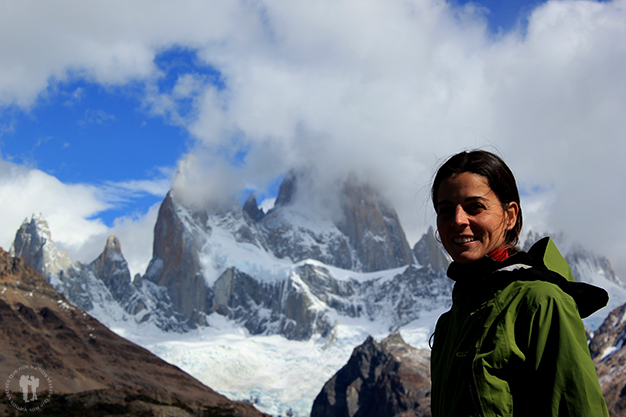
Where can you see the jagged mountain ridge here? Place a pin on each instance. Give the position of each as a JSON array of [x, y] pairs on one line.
[[282, 272], [262, 279], [609, 353], [289, 271], [102, 287]]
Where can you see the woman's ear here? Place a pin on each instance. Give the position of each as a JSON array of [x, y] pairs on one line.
[[512, 210]]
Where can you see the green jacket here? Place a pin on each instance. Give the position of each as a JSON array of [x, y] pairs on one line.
[[513, 343]]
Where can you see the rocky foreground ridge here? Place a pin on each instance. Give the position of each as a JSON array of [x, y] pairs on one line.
[[609, 353], [389, 379], [87, 366]]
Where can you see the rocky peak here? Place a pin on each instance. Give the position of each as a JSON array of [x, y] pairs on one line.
[[179, 237], [430, 253], [112, 246], [251, 207], [389, 378], [33, 242], [372, 227], [112, 269], [288, 188], [608, 350], [111, 256]]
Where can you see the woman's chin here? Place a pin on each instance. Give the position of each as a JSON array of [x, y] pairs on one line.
[[466, 257]]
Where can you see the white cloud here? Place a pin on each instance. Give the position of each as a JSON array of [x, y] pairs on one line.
[[67, 208], [386, 88], [135, 233], [124, 190], [70, 210]]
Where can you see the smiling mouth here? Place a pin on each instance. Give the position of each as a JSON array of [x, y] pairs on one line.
[[462, 240]]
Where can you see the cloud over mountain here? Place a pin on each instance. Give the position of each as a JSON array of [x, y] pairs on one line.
[[383, 89]]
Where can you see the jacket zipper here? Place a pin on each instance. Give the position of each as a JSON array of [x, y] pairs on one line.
[[472, 382], [474, 395]]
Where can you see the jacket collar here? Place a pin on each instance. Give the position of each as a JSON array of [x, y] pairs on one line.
[[477, 279]]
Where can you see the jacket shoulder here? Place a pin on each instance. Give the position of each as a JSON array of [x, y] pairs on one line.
[[541, 283]]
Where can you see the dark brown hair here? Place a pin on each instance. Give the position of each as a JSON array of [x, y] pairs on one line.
[[499, 178]]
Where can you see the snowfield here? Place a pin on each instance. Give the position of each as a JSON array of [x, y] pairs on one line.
[[277, 375]]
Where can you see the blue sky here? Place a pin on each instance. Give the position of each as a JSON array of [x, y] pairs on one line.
[[83, 132], [505, 15], [105, 105]]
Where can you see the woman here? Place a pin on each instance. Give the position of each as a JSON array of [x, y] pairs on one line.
[[513, 343]]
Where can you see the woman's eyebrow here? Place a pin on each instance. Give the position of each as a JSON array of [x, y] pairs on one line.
[[473, 198]]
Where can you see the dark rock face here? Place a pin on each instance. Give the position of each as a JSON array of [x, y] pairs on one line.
[[381, 379], [274, 307], [289, 186], [175, 261], [111, 268], [251, 208], [373, 228]]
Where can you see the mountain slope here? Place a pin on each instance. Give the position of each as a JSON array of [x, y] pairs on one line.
[[39, 327]]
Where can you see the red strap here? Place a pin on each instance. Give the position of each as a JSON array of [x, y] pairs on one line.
[[500, 254]]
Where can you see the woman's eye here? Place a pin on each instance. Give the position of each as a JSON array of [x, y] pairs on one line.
[[443, 210], [475, 207]]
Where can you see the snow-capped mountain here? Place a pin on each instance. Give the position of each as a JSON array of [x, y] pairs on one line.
[[266, 307], [289, 271]]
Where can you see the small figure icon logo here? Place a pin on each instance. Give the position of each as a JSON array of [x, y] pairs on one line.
[[28, 378], [26, 382]]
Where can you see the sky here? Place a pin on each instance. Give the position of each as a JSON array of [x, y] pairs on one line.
[[107, 105]]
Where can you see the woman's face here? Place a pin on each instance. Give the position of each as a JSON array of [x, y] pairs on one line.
[[470, 218]]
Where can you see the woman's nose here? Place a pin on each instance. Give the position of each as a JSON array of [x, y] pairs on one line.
[[460, 216]]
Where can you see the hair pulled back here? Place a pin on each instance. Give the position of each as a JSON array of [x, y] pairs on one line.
[[499, 178]]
